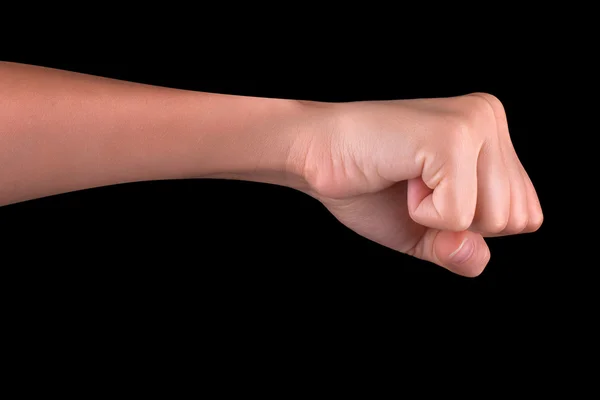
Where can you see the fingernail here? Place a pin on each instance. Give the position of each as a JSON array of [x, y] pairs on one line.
[[463, 252]]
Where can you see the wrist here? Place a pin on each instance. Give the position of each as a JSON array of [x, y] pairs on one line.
[[273, 144]]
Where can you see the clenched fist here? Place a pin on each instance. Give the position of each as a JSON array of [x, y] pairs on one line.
[[428, 177]]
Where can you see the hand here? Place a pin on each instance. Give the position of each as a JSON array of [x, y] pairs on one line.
[[428, 177]]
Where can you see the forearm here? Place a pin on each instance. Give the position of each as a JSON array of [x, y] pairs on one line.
[[62, 131]]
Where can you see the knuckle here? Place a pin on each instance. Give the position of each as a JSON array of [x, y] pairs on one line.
[[461, 222], [486, 103], [495, 223], [459, 127], [456, 213], [460, 134], [535, 222], [484, 110], [517, 224]]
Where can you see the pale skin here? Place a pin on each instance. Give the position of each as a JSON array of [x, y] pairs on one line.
[[426, 177]]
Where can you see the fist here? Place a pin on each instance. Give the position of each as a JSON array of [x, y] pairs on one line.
[[427, 177]]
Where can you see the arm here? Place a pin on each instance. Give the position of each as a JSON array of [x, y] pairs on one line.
[[62, 131], [426, 177]]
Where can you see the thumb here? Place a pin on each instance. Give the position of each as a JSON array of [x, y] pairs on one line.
[[464, 253]]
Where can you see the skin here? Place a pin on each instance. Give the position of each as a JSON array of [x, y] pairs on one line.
[[427, 177]]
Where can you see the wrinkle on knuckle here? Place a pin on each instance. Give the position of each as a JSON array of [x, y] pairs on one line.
[[460, 221], [517, 224], [495, 224]]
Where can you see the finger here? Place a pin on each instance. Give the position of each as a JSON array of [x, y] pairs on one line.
[[534, 209], [464, 253], [445, 196], [530, 203], [525, 211], [518, 214], [493, 189]]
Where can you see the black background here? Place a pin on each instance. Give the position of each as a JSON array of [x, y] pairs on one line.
[[146, 270], [245, 252]]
